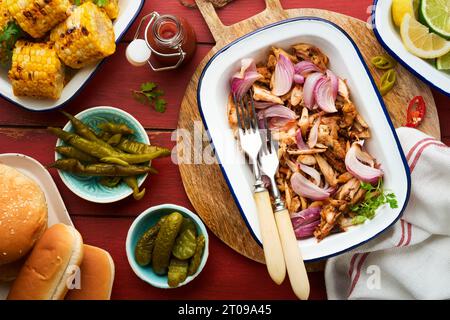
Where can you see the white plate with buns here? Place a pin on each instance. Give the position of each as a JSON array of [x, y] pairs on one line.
[[23, 174]]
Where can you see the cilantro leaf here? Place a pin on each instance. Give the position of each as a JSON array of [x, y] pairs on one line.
[[150, 95], [77, 2], [375, 197], [8, 38], [148, 86], [101, 3]]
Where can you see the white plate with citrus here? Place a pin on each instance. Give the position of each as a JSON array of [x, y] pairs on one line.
[[417, 33]]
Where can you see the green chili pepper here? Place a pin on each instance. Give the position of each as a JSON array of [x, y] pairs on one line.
[[116, 128], [100, 169], [387, 81], [383, 62], [71, 152], [133, 184], [99, 150], [110, 182], [115, 139], [113, 160], [85, 131], [135, 147]]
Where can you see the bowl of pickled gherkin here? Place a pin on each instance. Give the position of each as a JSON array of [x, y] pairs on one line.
[[103, 155], [167, 246]]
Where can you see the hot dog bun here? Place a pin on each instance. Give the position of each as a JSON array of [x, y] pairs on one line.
[[50, 266]]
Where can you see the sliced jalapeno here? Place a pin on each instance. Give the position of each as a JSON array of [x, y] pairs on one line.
[[383, 62], [387, 81]]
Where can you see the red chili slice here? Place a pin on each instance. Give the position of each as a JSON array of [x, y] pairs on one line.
[[416, 112]]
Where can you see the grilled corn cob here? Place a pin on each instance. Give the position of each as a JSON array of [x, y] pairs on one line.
[[111, 7], [37, 17], [5, 17], [85, 37], [36, 70]]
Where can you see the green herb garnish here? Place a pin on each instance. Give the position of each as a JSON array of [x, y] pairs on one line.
[[101, 3], [150, 95], [8, 38], [375, 197]]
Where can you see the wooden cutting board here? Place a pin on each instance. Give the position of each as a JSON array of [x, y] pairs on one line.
[[205, 185]]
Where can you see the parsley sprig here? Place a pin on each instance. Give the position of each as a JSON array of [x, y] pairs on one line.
[[151, 95], [8, 37], [375, 197]]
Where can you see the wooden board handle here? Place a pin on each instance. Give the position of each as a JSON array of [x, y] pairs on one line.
[[273, 252], [214, 23], [292, 255]]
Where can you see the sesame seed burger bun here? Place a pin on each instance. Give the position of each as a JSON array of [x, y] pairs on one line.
[[23, 214]]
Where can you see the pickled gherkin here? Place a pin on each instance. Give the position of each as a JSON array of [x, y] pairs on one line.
[[186, 243], [178, 270], [165, 241], [197, 258], [145, 245]]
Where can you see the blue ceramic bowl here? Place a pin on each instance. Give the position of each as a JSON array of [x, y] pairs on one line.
[[143, 222], [89, 188]]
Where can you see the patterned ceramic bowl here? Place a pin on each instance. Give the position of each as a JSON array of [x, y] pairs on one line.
[[89, 188]]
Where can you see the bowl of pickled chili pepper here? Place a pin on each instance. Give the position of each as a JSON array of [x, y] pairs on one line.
[[167, 246], [103, 155]]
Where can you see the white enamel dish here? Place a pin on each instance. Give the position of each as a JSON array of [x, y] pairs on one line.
[[346, 61], [389, 36], [57, 212], [129, 11]]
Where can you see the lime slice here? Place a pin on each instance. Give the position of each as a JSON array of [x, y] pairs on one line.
[[443, 63], [436, 15], [419, 41]]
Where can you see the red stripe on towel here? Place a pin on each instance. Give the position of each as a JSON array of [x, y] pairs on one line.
[[403, 233], [352, 265], [411, 151], [358, 272], [421, 150]]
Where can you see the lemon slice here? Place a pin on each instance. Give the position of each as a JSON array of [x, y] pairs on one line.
[[402, 7], [443, 63], [419, 41]]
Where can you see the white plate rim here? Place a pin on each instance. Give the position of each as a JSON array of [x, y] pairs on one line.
[[87, 80], [382, 104], [426, 78]]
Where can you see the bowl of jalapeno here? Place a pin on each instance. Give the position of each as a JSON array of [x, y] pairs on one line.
[[167, 246], [103, 155]]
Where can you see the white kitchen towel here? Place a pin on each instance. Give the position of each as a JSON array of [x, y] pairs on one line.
[[411, 260]]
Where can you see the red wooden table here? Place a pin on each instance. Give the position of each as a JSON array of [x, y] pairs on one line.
[[227, 274]]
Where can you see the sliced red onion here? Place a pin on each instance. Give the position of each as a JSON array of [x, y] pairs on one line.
[[308, 89], [283, 76], [242, 81], [266, 181], [277, 111], [263, 105], [307, 230], [364, 156], [301, 145], [279, 123], [313, 173], [323, 93], [334, 83], [293, 166], [305, 217], [305, 188], [314, 134], [299, 79], [306, 67], [358, 169]]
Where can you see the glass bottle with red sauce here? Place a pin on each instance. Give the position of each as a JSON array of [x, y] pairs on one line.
[[172, 37]]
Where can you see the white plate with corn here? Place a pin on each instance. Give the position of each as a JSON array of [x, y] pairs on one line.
[[61, 45]]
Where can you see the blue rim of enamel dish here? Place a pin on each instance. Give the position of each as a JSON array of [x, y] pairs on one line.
[[397, 57], [402, 155], [90, 76]]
